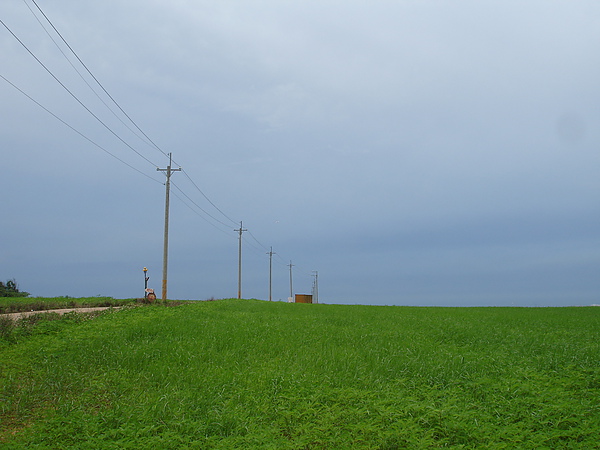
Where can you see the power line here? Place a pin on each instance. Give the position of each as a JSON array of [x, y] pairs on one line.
[[75, 130], [208, 199], [122, 140], [199, 214], [73, 95], [98, 119], [150, 141], [199, 207], [77, 70], [257, 241], [117, 104], [257, 250]]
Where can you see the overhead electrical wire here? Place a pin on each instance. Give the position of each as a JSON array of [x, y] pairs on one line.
[[208, 199], [285, 263], [198, 206], [73, 95], [107, 93], [187, 200], [200, 215], [258, 251], [80, 74], [281, 262], [150, 141], [75, 130], [257, 241], [147, 140]]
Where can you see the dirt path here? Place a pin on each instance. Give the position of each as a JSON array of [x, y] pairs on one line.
[[18, 315]]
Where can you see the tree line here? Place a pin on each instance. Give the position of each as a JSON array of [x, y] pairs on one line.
[[10, 289]]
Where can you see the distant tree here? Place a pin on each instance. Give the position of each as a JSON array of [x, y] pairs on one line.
[[10, 289]]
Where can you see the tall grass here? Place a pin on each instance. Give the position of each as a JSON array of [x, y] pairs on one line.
[[243, 374]]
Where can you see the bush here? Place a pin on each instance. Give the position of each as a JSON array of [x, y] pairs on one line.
[[10, 289]]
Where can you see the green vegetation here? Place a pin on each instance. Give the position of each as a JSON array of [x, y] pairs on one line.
[[251, 374], [10, 289], [14, 330], [15, 304]]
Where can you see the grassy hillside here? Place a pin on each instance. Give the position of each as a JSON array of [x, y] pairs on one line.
[[252, 374]]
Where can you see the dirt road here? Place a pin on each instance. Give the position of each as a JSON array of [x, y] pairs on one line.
[[18, 315]]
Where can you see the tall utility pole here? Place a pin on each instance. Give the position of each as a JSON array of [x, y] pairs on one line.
[[315, 290], [240, 230], [291, 289], [168, 172], [270, 253]]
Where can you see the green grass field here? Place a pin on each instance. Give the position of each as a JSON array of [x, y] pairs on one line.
[[253, 374]]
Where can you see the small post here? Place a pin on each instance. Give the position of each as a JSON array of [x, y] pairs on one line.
[[146, 283]]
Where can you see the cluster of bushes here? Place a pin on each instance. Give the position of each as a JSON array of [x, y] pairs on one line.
[[10, 289]]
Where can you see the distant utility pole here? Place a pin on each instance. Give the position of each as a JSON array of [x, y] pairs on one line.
[[240, 230], [291, 289], [270, 253], [316, 287], [168, 172]]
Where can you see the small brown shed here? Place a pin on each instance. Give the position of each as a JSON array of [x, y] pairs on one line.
[[303, 298]]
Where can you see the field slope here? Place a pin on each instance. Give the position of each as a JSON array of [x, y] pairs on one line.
[[253, 374]]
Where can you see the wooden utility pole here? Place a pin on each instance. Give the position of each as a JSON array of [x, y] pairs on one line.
[[168, 171], [291, 289], [240, 230], [270, 253]]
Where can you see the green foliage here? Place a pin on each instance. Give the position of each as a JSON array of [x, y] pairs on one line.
[[10, 289], [249, 374], [14, 305], [15, 330]]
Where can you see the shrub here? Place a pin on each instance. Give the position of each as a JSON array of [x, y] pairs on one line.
[[10, 289]]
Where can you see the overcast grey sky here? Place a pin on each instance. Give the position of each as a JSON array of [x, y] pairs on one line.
[[411, 152]]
